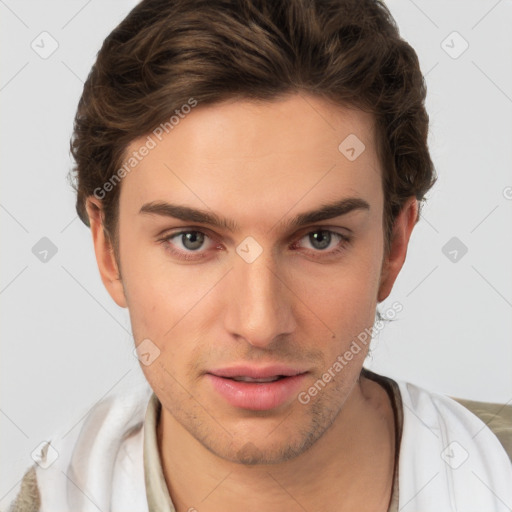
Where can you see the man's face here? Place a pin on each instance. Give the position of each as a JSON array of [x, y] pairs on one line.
[[261, 295]]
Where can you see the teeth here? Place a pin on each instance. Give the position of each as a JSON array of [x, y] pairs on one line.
[[243, 378]]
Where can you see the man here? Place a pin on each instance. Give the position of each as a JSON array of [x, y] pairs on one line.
[[251, 172]]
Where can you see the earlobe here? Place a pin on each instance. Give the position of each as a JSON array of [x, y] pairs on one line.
[[104, 251], [394, 260]]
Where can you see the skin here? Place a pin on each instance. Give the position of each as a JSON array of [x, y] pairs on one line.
[[260, 164]]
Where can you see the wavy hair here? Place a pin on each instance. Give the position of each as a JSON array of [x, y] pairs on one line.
[[167, 51]]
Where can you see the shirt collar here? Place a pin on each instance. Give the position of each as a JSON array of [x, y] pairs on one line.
[[156, 487]]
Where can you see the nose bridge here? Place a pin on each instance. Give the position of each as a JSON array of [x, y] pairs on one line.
[[259, 306]]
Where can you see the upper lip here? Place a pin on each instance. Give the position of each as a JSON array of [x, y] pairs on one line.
[[257, 372]]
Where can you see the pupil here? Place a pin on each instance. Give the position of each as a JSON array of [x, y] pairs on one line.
[[320, 239], [192, 240]]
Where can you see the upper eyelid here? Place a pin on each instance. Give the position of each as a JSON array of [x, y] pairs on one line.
[[312, 229], [207, 231]]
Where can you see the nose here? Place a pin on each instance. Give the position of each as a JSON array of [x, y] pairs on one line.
[[259, 302]]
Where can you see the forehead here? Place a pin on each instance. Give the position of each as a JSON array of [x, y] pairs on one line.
[[259, 157]]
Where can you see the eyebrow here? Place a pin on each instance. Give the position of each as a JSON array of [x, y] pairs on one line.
[[187, 214]]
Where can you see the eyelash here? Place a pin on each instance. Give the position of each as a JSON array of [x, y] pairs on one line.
[[344, 240]]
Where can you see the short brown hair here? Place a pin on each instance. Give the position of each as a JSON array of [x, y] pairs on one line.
[[167, 51]]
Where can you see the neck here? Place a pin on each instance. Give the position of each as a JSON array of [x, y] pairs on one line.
[[355, 455]]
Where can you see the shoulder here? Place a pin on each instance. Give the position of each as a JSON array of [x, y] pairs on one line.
[[28, 498], [497, 417], [92, 444]]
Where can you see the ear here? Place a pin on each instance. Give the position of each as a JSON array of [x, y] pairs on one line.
[[104, 251], [394, 259]]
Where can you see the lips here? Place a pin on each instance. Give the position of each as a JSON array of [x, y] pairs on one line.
[[257, 388]]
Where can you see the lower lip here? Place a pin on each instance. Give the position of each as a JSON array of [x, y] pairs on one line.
[[257, 396]]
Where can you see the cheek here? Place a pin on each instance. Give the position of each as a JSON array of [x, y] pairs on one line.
[[171, 305], [346, 308], [344, 298], [158, 291], [347, 290]]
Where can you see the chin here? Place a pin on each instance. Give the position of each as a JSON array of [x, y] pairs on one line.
[[263, 452]]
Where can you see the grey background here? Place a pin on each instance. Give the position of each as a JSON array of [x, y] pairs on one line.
[[66, 345]]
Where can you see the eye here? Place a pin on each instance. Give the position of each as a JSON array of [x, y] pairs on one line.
[[194, 244], [320, 239], [191, 240], [190, 244], [323, 241]]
